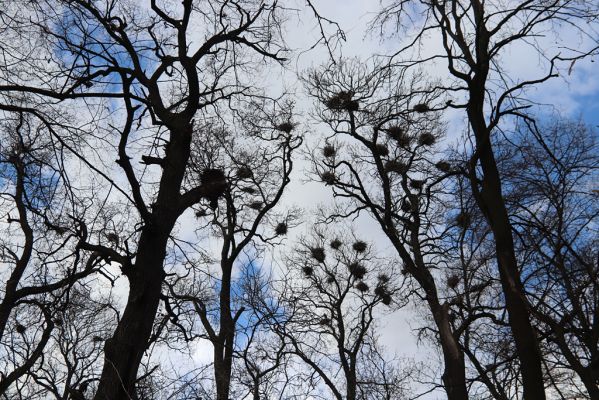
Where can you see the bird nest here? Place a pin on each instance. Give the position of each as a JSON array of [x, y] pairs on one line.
[[427, 139], [329, 151], [318, 254], [342, 101]]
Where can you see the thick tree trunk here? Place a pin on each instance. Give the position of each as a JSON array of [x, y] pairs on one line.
[[492, 204], [223, 350], [124, 351], [454, 373]]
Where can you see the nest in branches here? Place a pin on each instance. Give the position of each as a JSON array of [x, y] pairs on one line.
[[359, 246], [244, 173], [324, 321], [201, 213], [342, 101], [453, 281], [416, 184], [463, 220], [329, 151], [20, 328], [318, 254], [421, 108], [362, 286], [381, 150], [331, 279], [286, 127], [396, 166], [386, 299], [382, 292], [328, 177], [383, 278], [443, 166], [248, 190], [308, 271], [281, 228], [400, 135], [97, 339], [256, 205], [335, 244], [357, 270], [214, 184], [426, 139]]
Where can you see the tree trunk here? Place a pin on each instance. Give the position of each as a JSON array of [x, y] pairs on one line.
[[223, 350], [124, 351], [491, 202], [454, 373]]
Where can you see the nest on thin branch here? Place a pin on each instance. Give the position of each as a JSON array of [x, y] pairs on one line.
[[383, 278], [382, 292], [342, 101], [335, 244], [463, 219], [416, 184], [308, 271], [256, 205], [357, 270], [381, 150], [286, 127], [362, 286], [426, 139], [443, 166], [421, 108], [248, 190], [324, 321], [214, 185], [453, 281], [328, 177], [331, 279], [244, 172], [281, 228], [329, 151], [201, 213], [97, 339], [396, 166], [359, 246], [20, 328], [400, 135], [318, 254]]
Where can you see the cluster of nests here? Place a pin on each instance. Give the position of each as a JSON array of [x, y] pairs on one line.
[[357, 270], [344, 101], [214, 183]]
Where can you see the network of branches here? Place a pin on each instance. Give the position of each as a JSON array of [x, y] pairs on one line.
[[415, 223]]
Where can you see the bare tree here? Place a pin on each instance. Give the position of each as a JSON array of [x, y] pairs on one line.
[[380, 160], [327, 314], [554, 212], [155, 80], [474, 35], [46, 259], [250, 171]]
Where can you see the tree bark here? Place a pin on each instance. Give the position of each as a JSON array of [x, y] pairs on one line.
[[124, 351], [491, 202]]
